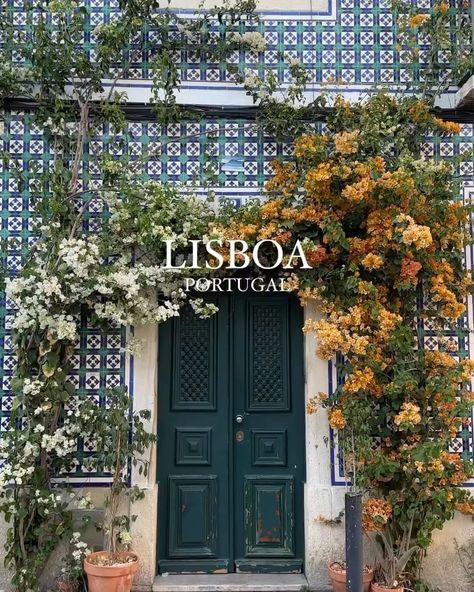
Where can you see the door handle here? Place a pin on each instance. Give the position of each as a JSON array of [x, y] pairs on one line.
[[239, 418]]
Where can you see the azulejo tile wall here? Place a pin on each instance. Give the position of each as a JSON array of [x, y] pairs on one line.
[[357, 47], [179, 154]]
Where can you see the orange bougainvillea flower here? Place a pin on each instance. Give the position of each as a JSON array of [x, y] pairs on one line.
[[409, 415], [419, 236], [285, 178], [375, 514], [310, 144], [317, 256], [441, 7], [337, 420], [271, 209], [418, 19], [466, 507], [409, 269], [372, 261], [358, 191], [346, 143], [449, 127], [376, 229], [420, 111]]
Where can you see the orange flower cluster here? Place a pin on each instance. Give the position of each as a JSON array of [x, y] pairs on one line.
[[451, 307], [409, 416], [362, 380], [309, 145], [375, 514], [346, 142], [441, 7], [359, 191], [448, 127], [418, 19], [454, 463], [409, 269], [376, 231], [284, 180], [372, 261], [337, 420], [419, 112], [466, 507], [314, 402]]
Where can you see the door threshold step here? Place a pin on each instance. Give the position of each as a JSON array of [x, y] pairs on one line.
[[231, 583]]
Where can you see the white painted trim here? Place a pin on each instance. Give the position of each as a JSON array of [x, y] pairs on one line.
[[268, 10], [466, 93], [143, 370], [145, 393], [323, 501], [234, 95], [317, 426]]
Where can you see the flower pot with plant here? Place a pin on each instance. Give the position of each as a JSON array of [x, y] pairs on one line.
[[71, 578], [338, 576], [120, 439], [393, 555]]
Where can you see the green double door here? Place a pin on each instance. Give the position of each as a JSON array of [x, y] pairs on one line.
[[231, 460]]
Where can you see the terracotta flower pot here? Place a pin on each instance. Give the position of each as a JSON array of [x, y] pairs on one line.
[[338, 575], [375, 587], [110, 578]]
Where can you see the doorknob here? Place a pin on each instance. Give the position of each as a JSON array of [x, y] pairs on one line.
[[239, 418]]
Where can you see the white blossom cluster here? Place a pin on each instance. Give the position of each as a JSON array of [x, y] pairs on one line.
[[80, 254], [21, 454], [256, 86], [125, 538], [37, 298], [118, 292], [203, 309], [32, 386], [66, 272], [253, 40], [80, 549], [73, 561]]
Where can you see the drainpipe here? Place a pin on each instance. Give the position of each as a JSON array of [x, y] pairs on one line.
[[354, 556]]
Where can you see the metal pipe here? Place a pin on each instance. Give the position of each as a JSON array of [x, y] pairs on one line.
[[354, 556]]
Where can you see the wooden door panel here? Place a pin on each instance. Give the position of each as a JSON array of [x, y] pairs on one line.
[[231, 438], [192, 513], [268, 387], [269, 454], [193, 444], [269, 502], [269, 448], [194, 362]]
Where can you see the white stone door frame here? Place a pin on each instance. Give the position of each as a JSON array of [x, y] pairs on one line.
[[323, 501]]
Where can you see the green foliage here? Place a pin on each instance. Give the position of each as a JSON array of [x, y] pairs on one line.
[[121, 441], [117, 276], [113, 277], [450, 53]]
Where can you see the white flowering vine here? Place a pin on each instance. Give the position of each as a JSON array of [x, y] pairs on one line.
[[112, 274]]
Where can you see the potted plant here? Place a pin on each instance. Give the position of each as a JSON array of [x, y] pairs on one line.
[[71, 578], [120, 439], [393, 555], [338, 575]]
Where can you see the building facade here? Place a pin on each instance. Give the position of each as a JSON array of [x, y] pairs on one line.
[[228, 394]]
